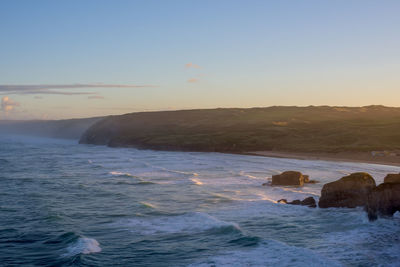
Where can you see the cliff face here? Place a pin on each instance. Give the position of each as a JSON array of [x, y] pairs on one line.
[[68, 129], [306, 129]]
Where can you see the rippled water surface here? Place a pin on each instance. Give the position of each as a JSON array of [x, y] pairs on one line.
[[67, 204]]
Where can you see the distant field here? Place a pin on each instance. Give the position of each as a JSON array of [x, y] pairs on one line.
[[305, 129]]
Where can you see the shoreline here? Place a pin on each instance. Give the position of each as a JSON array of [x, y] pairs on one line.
[[358, 157]]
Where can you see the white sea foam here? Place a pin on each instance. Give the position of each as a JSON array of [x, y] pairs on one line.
[[193, 222], [84, 245], [116, 173], [379, 239], [196, 181], [230, 195], [268, 253], [148, 205], [242, 173]]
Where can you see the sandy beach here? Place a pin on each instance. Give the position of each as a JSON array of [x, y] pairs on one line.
[[364, 157]]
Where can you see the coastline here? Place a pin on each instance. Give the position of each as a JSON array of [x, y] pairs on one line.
[[360, 157]]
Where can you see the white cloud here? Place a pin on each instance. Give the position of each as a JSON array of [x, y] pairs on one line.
[[193, 80], [59, 89], [191, 65]]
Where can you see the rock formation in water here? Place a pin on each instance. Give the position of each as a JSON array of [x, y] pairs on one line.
[[348, 192], [309, 201], [392, 178], [291, 178], [384, 200], [355, 190]]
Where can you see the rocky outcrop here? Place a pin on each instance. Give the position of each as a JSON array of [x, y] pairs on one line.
[[392, 178], [291, 178], [309, 201], [384, 200], [350, 191], [354, 190]]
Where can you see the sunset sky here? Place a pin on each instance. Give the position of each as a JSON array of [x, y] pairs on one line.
[[83, 58]]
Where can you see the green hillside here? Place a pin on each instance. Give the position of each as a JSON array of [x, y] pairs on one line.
[[305, 129]]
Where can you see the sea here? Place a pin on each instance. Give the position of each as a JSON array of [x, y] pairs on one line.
[[65, 204]]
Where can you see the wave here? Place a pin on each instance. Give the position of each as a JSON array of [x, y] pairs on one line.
[[145, 183], [193, 222], [122, 174], [268, 253], [185, 173], [215, 198], [196, 181], [244, 174], [380, 239], [148, 205], [141, 182], [84, 245], [182, 172]]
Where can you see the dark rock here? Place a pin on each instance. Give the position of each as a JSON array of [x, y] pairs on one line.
[[348, 192], [384, 200], [309, 201], [295, 202], [291, 178], [306, 178], [265, 184], [392, 178], [312, 182]]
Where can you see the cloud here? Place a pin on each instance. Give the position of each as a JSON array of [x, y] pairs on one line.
[[95, 97], [59, 89], [7, 104], [51, 92], [193, 80], [191, 65]]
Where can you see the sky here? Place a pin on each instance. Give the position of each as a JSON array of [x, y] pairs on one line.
[[85, 58]]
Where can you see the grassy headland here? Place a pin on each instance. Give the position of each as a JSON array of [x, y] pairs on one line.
[[290, 129]]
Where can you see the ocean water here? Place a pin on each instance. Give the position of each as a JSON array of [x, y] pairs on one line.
[[64, 204]]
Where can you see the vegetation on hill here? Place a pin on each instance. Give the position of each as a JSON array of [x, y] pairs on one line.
[[305, 129]]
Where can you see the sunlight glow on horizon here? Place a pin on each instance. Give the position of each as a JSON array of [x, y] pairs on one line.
[[156, 55]]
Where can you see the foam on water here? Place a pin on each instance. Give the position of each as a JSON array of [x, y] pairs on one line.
[[192, 222], [208, 209], [84, 245], [242, 173], [268, 253], [117, 173], [379, 240], [196, 181], [148, 205]]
